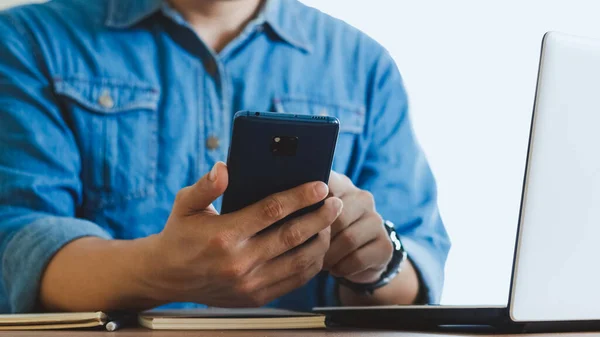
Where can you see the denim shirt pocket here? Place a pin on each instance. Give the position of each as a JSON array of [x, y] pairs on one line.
[[351, 116], [115, 123]]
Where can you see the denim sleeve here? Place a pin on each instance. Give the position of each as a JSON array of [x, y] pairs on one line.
[[396, 171], [39, 172]]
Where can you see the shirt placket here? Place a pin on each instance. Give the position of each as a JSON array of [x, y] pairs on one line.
[[217, 113], [215, 110], [218, 95], [213, 91]]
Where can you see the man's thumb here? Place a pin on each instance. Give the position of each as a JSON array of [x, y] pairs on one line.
[[200, 196]]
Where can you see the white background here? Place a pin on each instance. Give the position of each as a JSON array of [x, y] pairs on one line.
[[470, 68]]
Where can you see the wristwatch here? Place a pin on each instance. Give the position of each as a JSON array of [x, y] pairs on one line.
[[394, 267]]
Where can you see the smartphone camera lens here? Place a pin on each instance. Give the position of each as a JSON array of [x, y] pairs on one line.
[[284, 145]]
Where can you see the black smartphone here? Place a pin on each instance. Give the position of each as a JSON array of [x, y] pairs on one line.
[[273, 152]]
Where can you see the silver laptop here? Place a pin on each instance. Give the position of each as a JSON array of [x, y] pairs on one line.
[[556, 275]]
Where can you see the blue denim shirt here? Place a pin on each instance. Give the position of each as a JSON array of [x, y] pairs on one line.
[[109, 107]]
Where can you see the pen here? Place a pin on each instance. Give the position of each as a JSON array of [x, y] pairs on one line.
[[113, 326], [119, 320]]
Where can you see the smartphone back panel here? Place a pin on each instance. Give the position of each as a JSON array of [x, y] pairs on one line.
[[274, 152]]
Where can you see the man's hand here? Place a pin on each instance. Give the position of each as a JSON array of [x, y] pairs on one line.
[[360, 247], [235, 259]]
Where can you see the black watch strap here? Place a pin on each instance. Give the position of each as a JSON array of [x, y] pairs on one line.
[[399, 256]]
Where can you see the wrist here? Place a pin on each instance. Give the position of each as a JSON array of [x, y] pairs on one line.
[[398, 258], [147, 270], [402, 290], [130, 262]]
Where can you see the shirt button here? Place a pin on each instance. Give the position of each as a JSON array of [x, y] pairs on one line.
[[106, 101], [212, 143]]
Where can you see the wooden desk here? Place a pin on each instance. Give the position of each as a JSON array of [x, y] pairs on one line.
[[273, 333]]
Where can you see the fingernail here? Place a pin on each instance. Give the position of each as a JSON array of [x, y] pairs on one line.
[[339, 205], [321, 189], [212, 176]]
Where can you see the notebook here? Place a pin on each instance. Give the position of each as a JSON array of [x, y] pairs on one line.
[[52, 321], [230, 319], [196, 319]]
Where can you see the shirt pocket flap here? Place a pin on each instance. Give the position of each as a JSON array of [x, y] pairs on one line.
[[108, 95], [351, 116]]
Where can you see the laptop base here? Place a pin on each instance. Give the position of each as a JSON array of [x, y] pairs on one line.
[[448, 319], [416, 317]]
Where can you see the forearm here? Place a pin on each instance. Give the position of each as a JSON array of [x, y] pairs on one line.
[[91, 274], [403, 289]]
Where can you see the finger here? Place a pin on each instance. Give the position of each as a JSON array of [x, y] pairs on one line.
[[273, 243], [200, 196], [339, 184], [353, 211], [276, 290], [291, 263], [351, 239], [256, 217], [372, 255]]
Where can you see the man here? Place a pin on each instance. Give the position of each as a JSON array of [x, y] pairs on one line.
[[110, 108]]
